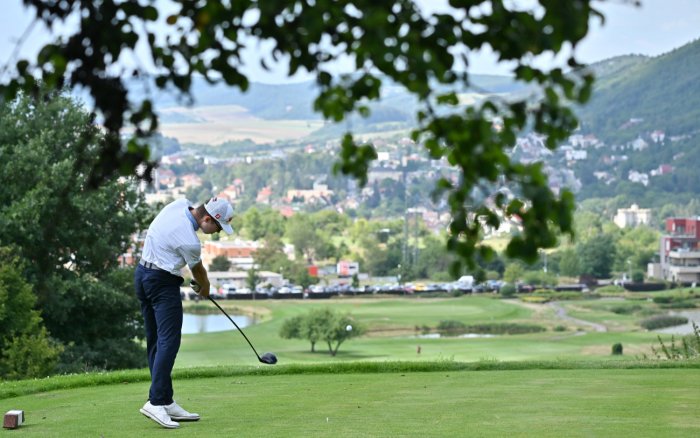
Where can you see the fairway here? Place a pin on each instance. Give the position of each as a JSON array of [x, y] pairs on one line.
[[542, 403], [394, 333]]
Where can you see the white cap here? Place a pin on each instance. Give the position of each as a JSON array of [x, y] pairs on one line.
[[221, 210]]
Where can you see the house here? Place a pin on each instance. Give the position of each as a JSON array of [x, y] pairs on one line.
[[165, 177], [191, 180], [657, 136], [639, 144], [319, 192], [264, 195], [663, 169], [632, 217], [232, 191], [238, 252], [638, 177], [679, 253]]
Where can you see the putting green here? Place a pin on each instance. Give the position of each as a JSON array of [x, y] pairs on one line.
[[530, 402]]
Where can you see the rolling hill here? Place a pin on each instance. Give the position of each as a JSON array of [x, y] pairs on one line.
[[655, 93]]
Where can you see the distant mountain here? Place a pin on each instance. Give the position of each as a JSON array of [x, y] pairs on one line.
[[636, 93], [295, 101]]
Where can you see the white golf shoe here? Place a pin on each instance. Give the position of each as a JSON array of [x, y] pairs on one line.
[[159, 415], [177, 413]]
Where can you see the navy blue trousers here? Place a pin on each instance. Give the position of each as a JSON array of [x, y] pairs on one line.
[[161, 306]]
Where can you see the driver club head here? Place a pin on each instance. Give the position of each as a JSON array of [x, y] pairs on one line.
[[269, 358]]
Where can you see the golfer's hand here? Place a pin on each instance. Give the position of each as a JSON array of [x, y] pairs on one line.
[[204, 292]]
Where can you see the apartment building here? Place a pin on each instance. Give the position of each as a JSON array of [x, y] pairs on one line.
[[679, 254]]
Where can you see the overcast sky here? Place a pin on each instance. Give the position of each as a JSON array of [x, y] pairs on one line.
[[656, 27]]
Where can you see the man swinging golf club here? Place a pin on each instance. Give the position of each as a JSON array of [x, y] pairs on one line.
[[171, 243]]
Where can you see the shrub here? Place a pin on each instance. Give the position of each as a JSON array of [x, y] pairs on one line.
[[617, 349], [663, 321], [680, 304], [560, 328], [645, 287], [638, 276], [504, 329], [451, 327], [626, 310], [507, 290], [688, 349]]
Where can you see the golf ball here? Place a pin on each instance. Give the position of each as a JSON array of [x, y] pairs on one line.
[[348, 327]]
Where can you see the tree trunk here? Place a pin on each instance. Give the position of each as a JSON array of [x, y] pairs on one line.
[[337, 346]]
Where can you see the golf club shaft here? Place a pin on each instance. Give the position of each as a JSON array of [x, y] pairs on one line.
[[234, 323]]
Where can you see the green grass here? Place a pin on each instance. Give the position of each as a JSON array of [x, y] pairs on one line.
[[382, 399], [393, 336], [554, 383]]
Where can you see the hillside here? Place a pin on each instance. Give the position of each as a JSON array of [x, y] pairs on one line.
[[295, 101], [655, 93]]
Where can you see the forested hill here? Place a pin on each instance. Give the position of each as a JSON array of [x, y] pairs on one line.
[[295, 100], [660, 93]]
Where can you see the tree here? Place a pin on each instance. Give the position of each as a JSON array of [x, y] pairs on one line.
[[70, 238], [513, 273], [596, 256], [302, 236], [220, 263], [25, 348], [391, 43], [322, 325], [252, 280], [569, 264], [340, 328]]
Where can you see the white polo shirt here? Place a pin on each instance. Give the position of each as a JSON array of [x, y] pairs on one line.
[[171, 241]]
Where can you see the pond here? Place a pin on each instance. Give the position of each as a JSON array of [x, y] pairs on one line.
[[197, 323], [685, 329]]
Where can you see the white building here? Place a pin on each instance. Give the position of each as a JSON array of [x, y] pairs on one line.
[[633, 216]]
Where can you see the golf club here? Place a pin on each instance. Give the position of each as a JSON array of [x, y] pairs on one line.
[[267, 358]]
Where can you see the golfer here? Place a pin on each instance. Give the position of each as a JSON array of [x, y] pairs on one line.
[[171, 243]]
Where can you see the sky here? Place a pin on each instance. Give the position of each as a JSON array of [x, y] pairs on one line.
[[657, 27]]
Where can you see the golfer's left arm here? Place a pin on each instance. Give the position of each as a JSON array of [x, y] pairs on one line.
[[199, 273]]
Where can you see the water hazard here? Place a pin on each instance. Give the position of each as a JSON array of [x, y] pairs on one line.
[[193, 324], [685, 329]]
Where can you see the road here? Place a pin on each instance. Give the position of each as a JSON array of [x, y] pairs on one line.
[[561, 313]]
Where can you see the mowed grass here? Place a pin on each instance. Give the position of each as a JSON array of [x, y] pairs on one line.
[[393, 334], [530, 402]]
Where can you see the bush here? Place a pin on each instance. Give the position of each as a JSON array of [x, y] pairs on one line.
[[26, 349], [645, 287], [626, 310], [617, 349], [663, 321], [507, 290], [680, 304], [504, 329], [451, 327], [638, 277], [560, 328]]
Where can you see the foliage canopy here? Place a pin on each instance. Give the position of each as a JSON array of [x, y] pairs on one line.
[[391, 43]]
